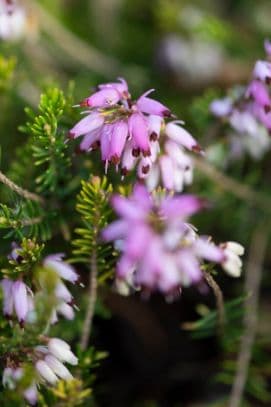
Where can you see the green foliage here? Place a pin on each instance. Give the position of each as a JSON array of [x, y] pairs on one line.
[[200, 111], [76, 392], [70, 394], [48, 145], [206, 326], [93, 206], [29, 254], [20, 171], [25, 219]]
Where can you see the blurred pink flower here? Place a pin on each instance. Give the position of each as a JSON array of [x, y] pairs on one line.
[[160, 250]]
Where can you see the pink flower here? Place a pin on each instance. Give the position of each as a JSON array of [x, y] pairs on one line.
[[151, 106], [16, 299], [121, 87], [160, 251], [87, 125], [182, 137], [259, 92], [126, 131], [103, 98], [135, 134]]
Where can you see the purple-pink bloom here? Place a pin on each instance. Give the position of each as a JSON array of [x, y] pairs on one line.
[[103, 98], [121, 87], [259, 92], [138, 129], [151, 106], [87, 125], [160, 250], [132, 133]]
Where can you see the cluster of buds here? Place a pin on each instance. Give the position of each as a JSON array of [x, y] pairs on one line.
[[19, 298], [160, 250], [12, 20], [248, 112], [48, 364], [135, 134], [12, 375]]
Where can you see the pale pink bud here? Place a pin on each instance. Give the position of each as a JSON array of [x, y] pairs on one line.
[[19, 293], [31, 394], [105, 97], [61, 350], [58, 368], [46, 372], [182, 137]]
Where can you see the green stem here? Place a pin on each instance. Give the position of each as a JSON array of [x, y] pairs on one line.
[[92, 297]]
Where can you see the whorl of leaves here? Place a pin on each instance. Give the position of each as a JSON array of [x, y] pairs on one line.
[[93, 206], [26, 218], [48, 142]]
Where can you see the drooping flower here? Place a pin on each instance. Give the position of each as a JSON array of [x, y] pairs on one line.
[[160, 250], [17, 298], [64, 271], [49, 367], [62, 351], [51, 358], [134, 133], [233, 263], [172, 167]]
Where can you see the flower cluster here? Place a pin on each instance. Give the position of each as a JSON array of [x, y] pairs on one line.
[[19, 297], [135, 134], [47, 360], [12, 20], [48, 364], [248, 112], [160, 250]]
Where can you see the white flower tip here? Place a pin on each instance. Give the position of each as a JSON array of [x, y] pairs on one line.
[[236, 248]]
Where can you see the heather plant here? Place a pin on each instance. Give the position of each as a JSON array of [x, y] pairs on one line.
[[104, 193]]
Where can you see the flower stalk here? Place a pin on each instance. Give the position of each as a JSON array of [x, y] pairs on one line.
[[20, 191], [92, 297]]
